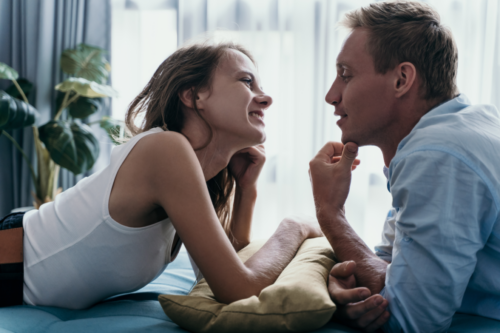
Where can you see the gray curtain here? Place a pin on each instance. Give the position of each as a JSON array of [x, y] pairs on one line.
[[33, 33]]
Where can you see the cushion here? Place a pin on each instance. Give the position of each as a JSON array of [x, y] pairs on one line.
[[297, 302], [141, 312]]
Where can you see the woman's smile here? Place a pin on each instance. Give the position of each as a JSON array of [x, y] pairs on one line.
[[257, 114]]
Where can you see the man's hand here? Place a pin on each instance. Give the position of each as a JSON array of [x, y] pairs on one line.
[[330, 172], [355, 306]]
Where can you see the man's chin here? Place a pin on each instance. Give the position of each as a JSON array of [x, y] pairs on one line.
[[347, 138]]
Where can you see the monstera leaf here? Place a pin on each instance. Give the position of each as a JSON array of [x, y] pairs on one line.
[[86, 88], [26, 87], [114, 128], [87, 62], [70, 145], [7, 72], [82, 107], [15, 113]]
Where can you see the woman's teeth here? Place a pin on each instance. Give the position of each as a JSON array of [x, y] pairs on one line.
[[255, 114]]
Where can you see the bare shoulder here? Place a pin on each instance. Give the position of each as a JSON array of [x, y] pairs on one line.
[[166, 155], [166, 142], [164, 147]]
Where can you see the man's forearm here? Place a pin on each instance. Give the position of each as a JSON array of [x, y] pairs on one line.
[[370, 270]]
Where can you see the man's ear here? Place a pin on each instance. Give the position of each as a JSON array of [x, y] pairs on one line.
[[186, 97], [406, 75]]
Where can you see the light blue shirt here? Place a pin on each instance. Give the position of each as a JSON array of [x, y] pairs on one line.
[[443, 235]]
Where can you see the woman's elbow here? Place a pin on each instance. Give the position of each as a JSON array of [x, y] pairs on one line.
[[247, 288]]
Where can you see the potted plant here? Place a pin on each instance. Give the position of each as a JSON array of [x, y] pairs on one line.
[[65, 141]]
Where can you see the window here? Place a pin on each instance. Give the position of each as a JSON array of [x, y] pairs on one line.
[[295, 44]]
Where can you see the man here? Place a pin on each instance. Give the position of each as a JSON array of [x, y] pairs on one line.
[[396, 89]]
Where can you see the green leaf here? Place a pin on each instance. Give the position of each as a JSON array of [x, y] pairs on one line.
[[70, 145], [114, 128], [26, 87], [15, 113], [86, 88], [84, 107], [7, 72], [87, 62]]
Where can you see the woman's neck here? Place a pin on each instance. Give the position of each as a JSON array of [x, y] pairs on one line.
[[213, 158], [216, 155]]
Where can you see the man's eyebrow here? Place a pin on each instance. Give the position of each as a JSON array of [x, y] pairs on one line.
[[342, 65]]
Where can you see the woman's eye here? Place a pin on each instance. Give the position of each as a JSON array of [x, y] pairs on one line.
[[247, 81]]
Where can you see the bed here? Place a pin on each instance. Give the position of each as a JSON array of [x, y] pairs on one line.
[[140, 311]]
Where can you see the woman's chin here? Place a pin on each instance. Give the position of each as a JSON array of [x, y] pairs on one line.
[[260, 138]]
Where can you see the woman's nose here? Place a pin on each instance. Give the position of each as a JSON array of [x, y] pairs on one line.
[[264, 100]]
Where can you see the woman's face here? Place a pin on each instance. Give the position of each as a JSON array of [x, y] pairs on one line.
[[235, 104]]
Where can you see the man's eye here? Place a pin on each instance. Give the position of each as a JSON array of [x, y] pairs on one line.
[[344, 77], [247, 81]]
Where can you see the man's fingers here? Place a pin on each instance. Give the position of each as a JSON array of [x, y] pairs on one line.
[[335, 159], [329, 150], [356, 310], [381, 320], [341, 296], [349, 154], [343, 269], [369, 317]]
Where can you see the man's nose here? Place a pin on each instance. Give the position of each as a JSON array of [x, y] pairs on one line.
[[334, 95]]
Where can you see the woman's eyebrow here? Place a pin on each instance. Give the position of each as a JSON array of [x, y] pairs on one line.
[[246, 72]]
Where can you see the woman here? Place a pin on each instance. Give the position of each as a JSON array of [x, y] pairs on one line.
[[116, 231]]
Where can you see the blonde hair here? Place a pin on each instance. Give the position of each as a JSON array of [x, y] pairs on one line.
[[190, 67], [410, 31]]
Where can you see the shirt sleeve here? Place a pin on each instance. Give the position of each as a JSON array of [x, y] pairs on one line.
[[384, 249], [442, 207]]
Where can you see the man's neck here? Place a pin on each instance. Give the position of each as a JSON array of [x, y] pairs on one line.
[[410, 116]]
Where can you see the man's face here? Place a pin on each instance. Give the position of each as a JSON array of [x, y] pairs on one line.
[[362, 98]]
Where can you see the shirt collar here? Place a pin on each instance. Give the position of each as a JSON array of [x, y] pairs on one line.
[[452, 106]]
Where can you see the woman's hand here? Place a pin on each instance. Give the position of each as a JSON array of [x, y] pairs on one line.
[[246, 166]]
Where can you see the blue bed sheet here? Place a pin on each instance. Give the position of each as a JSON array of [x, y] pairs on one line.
[[141, 312]]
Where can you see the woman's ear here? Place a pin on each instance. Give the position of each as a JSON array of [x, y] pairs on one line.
[[186, 97], [405, 78]]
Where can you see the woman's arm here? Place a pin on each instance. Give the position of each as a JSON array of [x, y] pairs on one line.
[[177, 182], [241, 219], [245, 166]]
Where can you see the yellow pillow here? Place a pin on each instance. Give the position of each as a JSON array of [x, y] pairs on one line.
[[297, 302]]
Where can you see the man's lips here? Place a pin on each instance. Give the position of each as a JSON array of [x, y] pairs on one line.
[[342, 120]]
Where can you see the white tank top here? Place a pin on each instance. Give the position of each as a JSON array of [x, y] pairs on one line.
[[76, 255]]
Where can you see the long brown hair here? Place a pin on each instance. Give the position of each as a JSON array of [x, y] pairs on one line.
[[189, 67]]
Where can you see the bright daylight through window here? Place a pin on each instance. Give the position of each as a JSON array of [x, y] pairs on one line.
[[295, 44]]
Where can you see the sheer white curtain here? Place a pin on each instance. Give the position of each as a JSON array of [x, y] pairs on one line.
[[295, 44]]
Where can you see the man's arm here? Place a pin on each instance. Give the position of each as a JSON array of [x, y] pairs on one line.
[[331, 183], [443, 211], [330, 173]]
